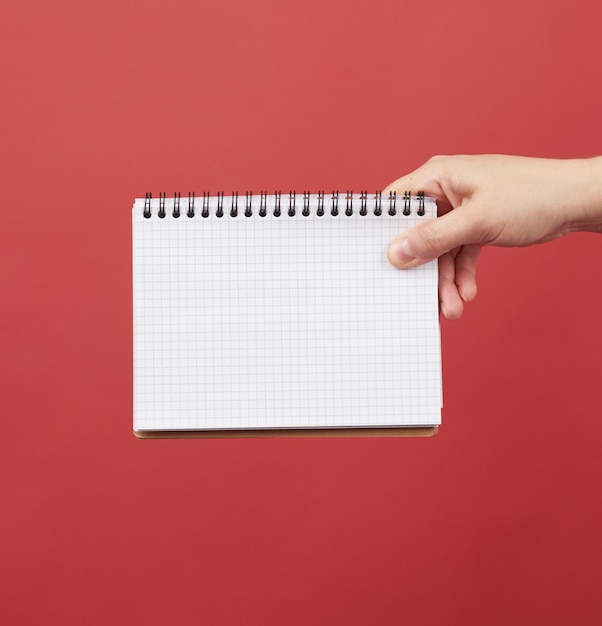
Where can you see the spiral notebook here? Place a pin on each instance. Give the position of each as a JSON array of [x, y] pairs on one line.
[[265, 314]]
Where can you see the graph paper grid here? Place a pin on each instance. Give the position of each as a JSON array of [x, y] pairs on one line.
[[281, 322]]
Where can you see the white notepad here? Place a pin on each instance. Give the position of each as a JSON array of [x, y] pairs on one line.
[[283, 313]]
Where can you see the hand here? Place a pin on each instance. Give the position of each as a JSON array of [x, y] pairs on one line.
[[493, 200]]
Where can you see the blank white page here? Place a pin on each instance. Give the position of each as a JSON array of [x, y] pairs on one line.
[[281, 322]]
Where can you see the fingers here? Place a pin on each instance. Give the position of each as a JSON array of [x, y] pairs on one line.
[[411, 182], [454, 237], [432, 239], [466, 270], [457, 283], [423, 178], [427, 178], [449, 299]]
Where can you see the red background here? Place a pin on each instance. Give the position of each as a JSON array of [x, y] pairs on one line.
[[494, 521]]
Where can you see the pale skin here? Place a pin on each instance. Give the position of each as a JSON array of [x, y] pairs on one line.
[[493, 200]]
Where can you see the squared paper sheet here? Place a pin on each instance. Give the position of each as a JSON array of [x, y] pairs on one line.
[[281, 322]]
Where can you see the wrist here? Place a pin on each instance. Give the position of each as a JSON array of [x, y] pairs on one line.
[[588, 205]]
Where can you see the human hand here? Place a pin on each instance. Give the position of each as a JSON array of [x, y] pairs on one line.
[[493, 200]]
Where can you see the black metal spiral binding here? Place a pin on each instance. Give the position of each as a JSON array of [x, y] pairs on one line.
[[176, 204], [377, 204], [205, 211], [320, 211], [263, 204], [162, 204], [249, 204], [190, 212], [421, 203], [220, 204], [374, 206], [392, 203], [349, 204], [306, 199], [147, 205], [234, 209], [407, 199]]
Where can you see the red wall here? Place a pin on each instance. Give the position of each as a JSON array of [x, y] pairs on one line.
[[494, 521]]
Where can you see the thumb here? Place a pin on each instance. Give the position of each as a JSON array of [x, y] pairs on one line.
[[432, 239]]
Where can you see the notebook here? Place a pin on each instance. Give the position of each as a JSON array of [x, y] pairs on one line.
[[261, 314]]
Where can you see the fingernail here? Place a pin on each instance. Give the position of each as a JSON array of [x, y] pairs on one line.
[[399, 252]]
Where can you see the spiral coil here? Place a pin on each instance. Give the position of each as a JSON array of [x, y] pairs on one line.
[[279, 206]]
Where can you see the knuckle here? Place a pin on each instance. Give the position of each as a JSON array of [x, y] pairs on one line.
[[437, 158], [440, 167]]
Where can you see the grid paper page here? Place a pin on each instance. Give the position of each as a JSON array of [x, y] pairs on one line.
[[281, 322]]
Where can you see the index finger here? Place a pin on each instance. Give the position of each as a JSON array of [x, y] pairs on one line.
[[423, 179]]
